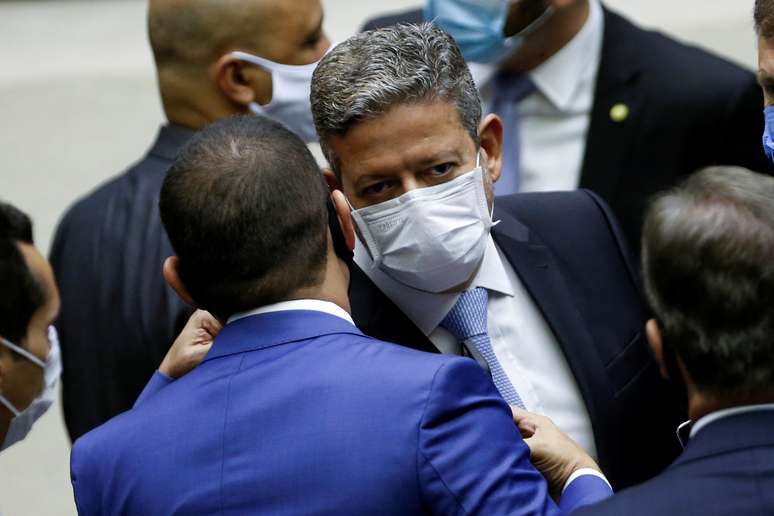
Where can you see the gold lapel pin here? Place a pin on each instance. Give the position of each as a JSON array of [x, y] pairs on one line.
[[619, 112]]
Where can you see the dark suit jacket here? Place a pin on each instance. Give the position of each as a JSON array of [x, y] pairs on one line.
[[688, 109], [118, 315], [567, 250], [298, 413], [726, 469]]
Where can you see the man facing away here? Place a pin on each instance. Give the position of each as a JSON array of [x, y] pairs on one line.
[[294, 410], [214, 59], [552, 304], [709, 274]]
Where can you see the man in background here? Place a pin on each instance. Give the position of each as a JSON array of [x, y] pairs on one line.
[[30, 361], [707, 248], [214, 60], [29, 354], [589, 100]]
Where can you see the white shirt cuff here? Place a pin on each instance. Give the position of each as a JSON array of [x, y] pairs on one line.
[[585, 471]]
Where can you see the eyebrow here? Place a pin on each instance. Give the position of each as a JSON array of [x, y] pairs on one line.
[[441, 157]]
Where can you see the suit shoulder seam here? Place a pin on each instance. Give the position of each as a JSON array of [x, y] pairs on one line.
[[419, 443]]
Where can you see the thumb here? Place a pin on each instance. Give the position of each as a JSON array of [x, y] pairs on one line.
[[524, 420]]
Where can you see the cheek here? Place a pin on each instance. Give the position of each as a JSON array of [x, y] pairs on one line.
[[22, 384]]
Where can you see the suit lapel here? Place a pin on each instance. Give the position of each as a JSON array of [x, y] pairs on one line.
[[541, 274], [379, 317], [616, 113]]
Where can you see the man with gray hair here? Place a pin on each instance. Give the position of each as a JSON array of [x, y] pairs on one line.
[[538, 288], [709, 274]]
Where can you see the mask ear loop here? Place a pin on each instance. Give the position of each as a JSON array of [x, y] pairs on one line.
[[23, 352], [491, 212], [9, 406], [364, 234]]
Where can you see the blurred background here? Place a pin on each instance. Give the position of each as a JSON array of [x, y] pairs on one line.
[[78, 103]]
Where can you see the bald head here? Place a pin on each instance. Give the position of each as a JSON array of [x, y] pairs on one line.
[[192, 39], [194, 32]]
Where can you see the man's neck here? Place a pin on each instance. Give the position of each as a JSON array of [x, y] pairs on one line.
[[544, 43], [333, 288], [700, 405]]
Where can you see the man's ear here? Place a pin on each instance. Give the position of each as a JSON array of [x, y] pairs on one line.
[[172, 276], [242, 83], [491, 137], [345, 218], [331, 180], [656, 344]]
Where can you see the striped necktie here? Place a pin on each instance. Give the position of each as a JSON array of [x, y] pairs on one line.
[[467, 321]]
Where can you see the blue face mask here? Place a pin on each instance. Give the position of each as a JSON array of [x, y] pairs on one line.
[[768, 132], [478, 27]]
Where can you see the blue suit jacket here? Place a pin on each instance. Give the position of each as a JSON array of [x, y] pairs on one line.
[[726, 469], [298, 412]]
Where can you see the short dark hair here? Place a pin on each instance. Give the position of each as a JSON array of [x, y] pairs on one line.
[[366, 75], [763, 14], [22, 294], [244, 208], [708, 248]]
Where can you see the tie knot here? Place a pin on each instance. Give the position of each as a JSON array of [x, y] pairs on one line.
[[468, 316]]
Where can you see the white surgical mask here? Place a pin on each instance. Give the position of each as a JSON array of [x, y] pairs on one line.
[[432, 238], [22, 422], [291, 87]]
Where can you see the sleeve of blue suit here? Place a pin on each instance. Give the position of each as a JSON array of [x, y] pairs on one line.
[[157, 382], [472, 459]]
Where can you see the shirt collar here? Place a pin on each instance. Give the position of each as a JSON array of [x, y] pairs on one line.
[[560, 78], [720, 414], [426, 310], [316, 305]]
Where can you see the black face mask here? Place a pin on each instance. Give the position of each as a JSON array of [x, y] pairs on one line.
[[339, 242]]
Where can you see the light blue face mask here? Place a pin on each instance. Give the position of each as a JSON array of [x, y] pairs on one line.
[[478, 26], [768, 132]]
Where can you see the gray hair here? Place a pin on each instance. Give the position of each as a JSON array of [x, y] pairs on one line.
[[708, 262], [363, 77]]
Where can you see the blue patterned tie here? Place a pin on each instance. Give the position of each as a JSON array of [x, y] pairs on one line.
[[467, 322], [509, 90]]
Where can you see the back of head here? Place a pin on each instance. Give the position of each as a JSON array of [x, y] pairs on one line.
[[708, 249], [363, 77], [244, 208], [763, 14], [192, 33], [22, 294]]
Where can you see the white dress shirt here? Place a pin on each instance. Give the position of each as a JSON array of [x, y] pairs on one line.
[[521, 339], [554, 119], [316, 305]]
